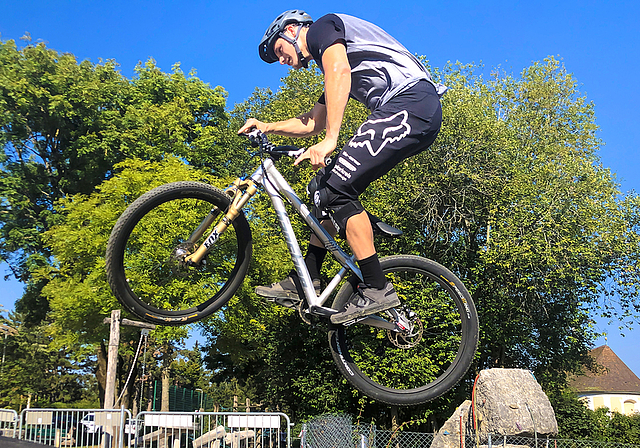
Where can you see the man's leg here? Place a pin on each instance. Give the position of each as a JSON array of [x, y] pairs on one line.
[[378, 294], [401, 128], [285, 292], [360, 236]]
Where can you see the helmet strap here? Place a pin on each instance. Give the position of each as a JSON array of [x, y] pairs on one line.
[[294, 41]]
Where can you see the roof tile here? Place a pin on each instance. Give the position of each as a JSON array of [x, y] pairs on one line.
[[616, 377]]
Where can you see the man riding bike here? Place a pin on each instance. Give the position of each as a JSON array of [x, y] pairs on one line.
[[361, 61]]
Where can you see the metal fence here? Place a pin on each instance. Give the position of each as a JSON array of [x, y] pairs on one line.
[[93, 428], [8, 422], [337, 432], [213, 430], [76, 427], [116, 429], [548, 442]]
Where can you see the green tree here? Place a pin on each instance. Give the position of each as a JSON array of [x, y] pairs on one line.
[[188, 369], [573, 417], [576, 421], [45, 374], [63, 126], [76, 286], [511, 196]]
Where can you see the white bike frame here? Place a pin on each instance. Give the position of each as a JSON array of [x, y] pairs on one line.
[[277, 187]]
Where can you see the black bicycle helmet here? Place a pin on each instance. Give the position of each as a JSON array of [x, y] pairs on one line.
[[276, 30]]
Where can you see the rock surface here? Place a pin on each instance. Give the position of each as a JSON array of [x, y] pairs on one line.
[[507, 402], [511, 402]]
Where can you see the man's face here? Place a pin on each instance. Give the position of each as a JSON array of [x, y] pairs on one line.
[[286, 52]]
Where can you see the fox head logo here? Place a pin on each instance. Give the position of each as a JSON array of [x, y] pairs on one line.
[[396, 129]]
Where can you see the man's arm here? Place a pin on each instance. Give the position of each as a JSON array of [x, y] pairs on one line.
[[305, 125], [337, 86]]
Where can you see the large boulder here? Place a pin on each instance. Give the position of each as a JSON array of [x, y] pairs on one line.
[[449, 434], [511, 402], [505, 402]]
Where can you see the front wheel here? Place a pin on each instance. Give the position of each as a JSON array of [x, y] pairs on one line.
[[145, 259], [431, 356]]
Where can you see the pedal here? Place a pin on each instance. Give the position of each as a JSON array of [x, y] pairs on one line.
[[287, 303]]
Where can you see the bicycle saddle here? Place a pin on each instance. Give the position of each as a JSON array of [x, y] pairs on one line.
[[382, 228]]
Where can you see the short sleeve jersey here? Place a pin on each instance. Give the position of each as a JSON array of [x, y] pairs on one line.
[[381, 67]]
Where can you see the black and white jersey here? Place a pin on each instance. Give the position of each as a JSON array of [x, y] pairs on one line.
[[381, 67]]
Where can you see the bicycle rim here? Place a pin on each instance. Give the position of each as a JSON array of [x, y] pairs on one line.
[[150, 277], [417, 366]]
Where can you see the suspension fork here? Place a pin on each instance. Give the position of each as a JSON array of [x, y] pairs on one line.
[[239, 200]]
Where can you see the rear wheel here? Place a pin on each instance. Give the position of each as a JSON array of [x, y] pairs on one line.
[[431, 356], [146, 250]]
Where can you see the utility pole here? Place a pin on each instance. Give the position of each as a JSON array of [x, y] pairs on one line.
[[7, 330], [112, 357]]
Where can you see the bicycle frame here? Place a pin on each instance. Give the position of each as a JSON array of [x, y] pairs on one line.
[[277, 187]]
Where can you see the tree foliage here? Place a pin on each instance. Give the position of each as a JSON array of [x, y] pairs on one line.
[[576, 421], [63, 126], [37, 370], [511, 196]]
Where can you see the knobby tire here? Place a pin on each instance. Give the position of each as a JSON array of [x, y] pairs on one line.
[[143, 271], [415, 369]]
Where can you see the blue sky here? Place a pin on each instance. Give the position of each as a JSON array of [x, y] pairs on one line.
[[599, 42]]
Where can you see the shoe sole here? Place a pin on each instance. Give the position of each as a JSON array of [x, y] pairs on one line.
[[281, 295], [364, 313]]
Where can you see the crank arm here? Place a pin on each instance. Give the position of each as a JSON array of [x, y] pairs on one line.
[[373, 321]]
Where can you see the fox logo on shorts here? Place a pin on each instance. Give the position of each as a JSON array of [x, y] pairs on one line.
[[392, 129]]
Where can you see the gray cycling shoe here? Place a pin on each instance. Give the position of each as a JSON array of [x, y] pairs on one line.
[[367, 301], [285, 292]]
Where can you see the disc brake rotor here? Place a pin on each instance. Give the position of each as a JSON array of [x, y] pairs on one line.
[[409, 338]]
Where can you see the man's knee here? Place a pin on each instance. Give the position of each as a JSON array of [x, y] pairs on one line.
[[341, 214], [330, 203]]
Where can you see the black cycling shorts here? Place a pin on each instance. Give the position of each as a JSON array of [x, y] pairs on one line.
[[401, 128]]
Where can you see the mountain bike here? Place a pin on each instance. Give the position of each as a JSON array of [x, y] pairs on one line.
[[180, 251]]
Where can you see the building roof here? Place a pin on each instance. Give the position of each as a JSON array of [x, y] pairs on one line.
[[615, 378]]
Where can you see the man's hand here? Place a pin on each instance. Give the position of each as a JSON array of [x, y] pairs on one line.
[[251, 124], [317, 153]]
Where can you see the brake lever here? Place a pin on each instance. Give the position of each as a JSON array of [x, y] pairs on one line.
[[299, 152], [256, 137]]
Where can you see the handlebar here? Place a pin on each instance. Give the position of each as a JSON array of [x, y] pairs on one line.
[[259, 139]]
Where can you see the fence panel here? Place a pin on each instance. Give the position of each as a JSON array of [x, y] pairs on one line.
[[8, 422], [337, 432], [76, 427], [212, 430], [547, 442]]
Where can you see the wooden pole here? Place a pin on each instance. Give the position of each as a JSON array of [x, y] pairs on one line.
[[112, 360], [112, 356]]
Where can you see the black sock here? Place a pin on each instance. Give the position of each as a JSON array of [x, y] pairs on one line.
[[313, 260], [372, 272]]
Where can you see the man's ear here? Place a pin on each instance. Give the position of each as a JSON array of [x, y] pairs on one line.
[[291, 29]]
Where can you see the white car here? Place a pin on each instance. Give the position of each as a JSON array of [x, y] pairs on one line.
[[88, 422], [131, 426]]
